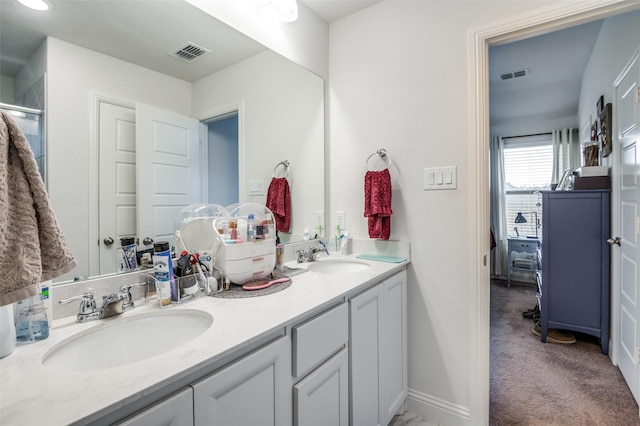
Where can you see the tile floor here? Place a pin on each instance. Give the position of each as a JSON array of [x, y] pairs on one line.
[[410, 419]]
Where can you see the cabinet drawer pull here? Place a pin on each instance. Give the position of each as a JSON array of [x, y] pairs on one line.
[[258, 259]]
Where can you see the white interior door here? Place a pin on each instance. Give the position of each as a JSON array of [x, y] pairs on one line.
[[628, 128], [117, 180], [168, 170]]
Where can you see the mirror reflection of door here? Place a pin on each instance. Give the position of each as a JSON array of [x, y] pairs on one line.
[[222, 159], [168, 172], [117, 181], [150, 158]]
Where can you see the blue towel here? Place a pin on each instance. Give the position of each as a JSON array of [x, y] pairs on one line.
[[381, 258]]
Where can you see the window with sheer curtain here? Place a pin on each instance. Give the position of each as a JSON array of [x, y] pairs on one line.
[[528, 165]]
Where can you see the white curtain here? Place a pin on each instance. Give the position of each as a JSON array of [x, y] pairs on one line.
[[498, 207], [566, 152]]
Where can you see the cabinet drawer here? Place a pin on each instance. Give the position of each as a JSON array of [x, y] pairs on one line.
[[525, 246], [239, 271], [173, 410], [317, 339]]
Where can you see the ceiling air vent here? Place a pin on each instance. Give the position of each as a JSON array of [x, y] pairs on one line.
[[189, 52], [515, 74]]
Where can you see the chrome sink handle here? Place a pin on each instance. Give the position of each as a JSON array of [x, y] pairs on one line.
[[125, 290], [88, 310]]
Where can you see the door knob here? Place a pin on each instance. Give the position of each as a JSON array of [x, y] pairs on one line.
[[147, 241], [108, 241], [614, 240]]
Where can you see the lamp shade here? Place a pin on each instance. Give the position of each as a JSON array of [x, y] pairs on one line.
[[520, 218]]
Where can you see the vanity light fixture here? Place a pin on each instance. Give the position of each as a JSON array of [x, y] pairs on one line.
[[40, 5]]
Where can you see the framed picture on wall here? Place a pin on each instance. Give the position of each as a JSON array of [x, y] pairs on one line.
[[600, 106], [605, 130], [594, 131]]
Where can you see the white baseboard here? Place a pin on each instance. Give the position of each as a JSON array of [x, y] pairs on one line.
[[437, 410]]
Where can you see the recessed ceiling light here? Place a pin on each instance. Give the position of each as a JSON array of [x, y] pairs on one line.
[[36, 4]]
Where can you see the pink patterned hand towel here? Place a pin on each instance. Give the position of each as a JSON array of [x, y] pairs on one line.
[[32, 246], [377, 203], [279, 202]]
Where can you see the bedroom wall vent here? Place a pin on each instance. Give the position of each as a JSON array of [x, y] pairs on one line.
[[189, 52], [515, 74]]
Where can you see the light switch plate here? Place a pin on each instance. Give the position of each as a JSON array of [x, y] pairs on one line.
[[319, 215], [440, 178], [341, 219], [256, 187]]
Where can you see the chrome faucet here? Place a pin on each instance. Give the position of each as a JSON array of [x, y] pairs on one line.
[[112, 304], [313, 253]]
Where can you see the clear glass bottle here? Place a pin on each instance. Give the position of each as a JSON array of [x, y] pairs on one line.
[[251, 228], [31, 324]]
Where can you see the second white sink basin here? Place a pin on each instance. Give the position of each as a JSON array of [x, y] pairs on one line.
[[127, 339], [338, 266]]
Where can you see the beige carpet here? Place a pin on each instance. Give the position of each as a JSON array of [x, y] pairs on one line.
[[535, 383]]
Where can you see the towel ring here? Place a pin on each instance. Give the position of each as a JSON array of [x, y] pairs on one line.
[[284, 164], [382, 153]]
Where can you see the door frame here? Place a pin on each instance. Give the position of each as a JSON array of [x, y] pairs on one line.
[[93, 249], [204, 116], [540, 21]]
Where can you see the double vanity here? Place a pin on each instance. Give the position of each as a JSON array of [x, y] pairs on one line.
[[329, 349]]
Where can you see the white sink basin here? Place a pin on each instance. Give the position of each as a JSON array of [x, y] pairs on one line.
[[126, 339], [337, 266]]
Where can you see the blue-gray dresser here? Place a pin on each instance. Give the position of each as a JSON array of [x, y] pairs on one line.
[[575, 263]]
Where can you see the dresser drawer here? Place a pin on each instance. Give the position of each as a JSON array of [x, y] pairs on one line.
[[524, 246], [319, 338]]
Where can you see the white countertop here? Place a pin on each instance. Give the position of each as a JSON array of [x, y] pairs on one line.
[[31, 394]]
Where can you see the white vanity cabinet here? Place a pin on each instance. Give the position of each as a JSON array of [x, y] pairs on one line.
[[320, 368], [378, 352], [340, 363], [175, 410], [322, 398], [254, 390]]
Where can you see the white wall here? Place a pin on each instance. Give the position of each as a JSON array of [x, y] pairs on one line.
[[31, 73], [75, 75], [618, 39], [399, 80], [283, 119], [7, 91]]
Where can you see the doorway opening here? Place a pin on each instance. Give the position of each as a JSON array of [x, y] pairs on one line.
[[221, 169], [546, 21]]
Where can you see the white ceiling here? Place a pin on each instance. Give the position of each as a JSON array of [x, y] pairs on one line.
[[132, 31], [140, 32], [332, 10], [556, 62]]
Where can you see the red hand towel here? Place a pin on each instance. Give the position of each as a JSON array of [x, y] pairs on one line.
[[377, 203], [279, 202]]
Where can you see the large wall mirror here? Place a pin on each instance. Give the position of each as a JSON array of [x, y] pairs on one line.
[[82, 60]]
